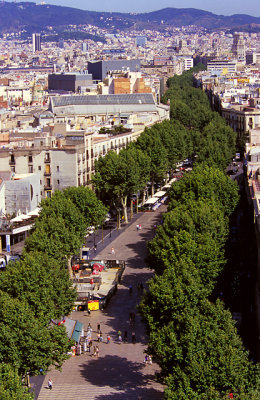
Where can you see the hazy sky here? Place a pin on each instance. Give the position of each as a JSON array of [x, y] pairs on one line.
[[225, 7]]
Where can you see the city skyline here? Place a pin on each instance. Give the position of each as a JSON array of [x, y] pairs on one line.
[[222, 7]]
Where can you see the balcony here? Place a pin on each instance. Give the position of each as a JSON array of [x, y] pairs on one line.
[[12, 162], [47, 160], [48, 187], [47, 173]]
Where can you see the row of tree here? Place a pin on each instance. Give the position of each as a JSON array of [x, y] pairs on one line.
[[193, 131], [37, 289], [194, 339]]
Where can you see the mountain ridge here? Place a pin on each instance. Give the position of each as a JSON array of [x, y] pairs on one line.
[[28, 15]]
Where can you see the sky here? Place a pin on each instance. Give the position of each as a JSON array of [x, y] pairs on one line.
[[224, 7]]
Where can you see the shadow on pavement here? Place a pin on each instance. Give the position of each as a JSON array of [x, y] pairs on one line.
[[120, 374]]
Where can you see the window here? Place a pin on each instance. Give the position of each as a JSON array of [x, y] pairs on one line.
[[30, 159], [12, 169], [58, 168], [40, 182], [58, 181], [12, 158], [47, 157], [39, 168], [30, 169]]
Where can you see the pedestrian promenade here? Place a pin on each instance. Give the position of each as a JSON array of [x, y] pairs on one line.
[[119, 372]]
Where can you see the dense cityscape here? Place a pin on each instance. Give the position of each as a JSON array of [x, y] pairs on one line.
[[129, 211]]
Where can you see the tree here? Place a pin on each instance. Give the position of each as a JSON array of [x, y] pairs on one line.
[[194, 231], [87, 203], [27, 343], [150, 143], [207, 183], [11, 387], [59, 231], [41, 282], [118, 176]]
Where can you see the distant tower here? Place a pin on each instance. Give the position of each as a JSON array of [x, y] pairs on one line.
[[84, 47], [238, 47], [36, 41]]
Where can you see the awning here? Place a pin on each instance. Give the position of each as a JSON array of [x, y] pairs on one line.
[[161, 193], [152, 200], [20, 218], [77, 331]]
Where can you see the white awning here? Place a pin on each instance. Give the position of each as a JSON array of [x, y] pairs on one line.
[[152, 200], [35, 212], [161, 193], [20, 218]]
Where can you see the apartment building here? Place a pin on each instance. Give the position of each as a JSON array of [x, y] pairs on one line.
[[242, 118]]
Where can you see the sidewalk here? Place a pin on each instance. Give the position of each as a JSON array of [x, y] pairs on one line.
[[119, 372]]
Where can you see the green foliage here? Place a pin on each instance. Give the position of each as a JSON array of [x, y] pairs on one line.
[[118, 176], [207, 183], [26, 342], [41, 282], [11, 387], [87, 203], [195, 341], [59, 230]]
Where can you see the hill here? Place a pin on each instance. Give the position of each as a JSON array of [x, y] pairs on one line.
[[29, 16]]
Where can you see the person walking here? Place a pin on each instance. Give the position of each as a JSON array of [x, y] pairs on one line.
[[98, 328], [50, 384], [97, 351], [89, 345], [113, 251], [108, 339]]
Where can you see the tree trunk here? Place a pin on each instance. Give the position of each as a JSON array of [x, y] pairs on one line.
[[152, 189], [124, 205], [69, 268], [131, 209]]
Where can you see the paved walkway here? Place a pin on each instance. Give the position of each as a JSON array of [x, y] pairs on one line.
[[119, 372]]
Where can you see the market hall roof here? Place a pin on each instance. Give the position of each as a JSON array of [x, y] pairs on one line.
[[100, 104]]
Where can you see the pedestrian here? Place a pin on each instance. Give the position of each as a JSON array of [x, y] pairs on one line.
[[89, 345], [101, 338], [89, 312], [140, 227], [108, 339], [150, 361], [95, 249], [98, 328], [137, 227], [97, 351], [120, 339], [125, 336], [119, 333], [113, 251], [98, 337], [50, 383], [230, 396], [146, 359], [133, 337], [89, 327]]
